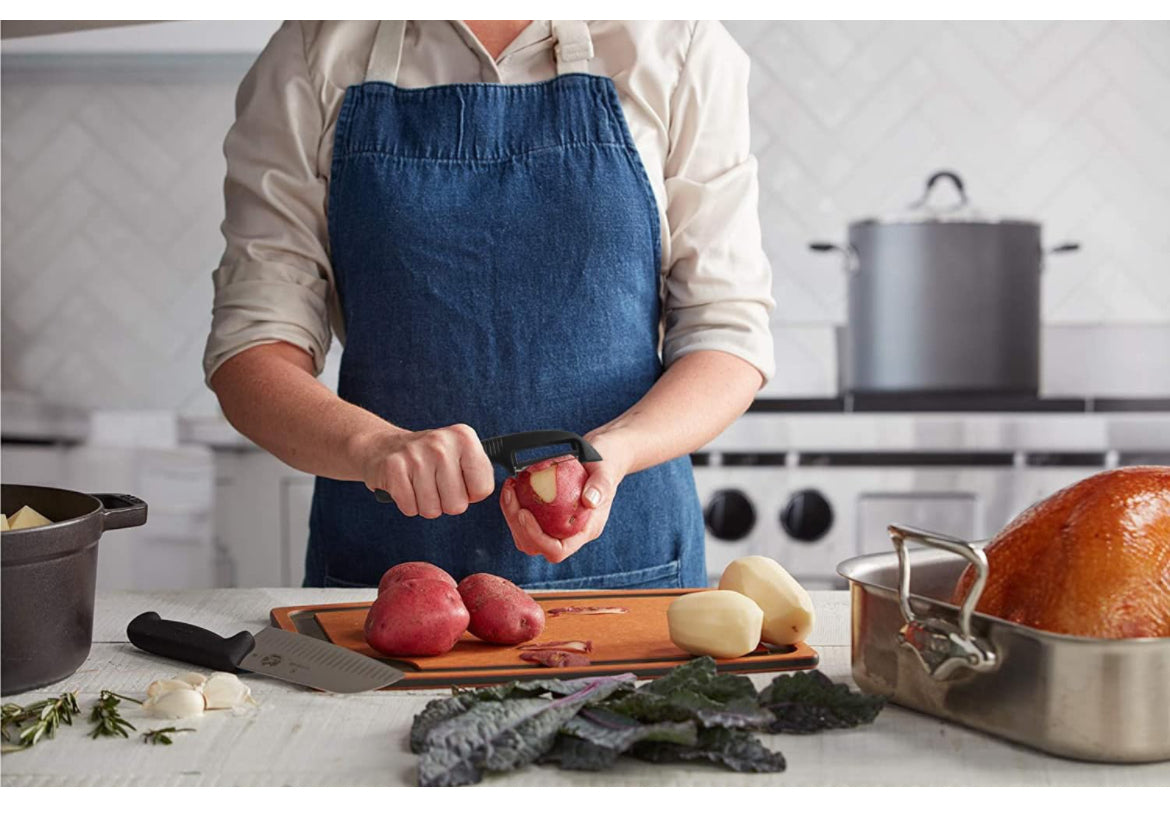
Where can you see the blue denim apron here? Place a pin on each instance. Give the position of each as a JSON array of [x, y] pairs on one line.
[[496, 254]]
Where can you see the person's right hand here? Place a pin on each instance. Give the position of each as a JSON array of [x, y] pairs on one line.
[[430, 472]]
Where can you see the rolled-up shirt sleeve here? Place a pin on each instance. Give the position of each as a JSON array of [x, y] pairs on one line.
[[718, 287], [273, 283]]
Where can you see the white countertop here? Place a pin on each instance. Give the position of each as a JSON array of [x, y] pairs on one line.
[[301, 737]]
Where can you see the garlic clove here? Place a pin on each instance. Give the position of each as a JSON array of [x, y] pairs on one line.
[[193, 679], [225, 690], [161, 686], [180, 703]]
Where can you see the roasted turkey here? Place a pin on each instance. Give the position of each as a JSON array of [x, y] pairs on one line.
[[1092, 560]]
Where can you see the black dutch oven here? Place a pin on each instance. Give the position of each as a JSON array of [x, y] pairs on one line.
[[47, 577]]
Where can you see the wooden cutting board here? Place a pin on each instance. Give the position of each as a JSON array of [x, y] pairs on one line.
[[636, 641]]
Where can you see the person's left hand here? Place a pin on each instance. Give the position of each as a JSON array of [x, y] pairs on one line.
[[597, 493]]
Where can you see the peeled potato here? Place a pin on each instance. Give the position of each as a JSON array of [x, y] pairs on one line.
[[27, 518], [788, 610], [722, 624], [3, 522]]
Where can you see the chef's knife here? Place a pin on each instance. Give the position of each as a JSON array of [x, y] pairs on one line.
[[280, 654], [503, 449]]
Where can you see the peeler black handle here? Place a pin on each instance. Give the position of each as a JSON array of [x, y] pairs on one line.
[[503, 449]]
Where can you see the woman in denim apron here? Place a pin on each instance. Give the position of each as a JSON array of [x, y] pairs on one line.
[[496, 254]]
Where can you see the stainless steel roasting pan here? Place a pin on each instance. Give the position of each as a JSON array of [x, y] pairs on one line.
[[1078, 697]]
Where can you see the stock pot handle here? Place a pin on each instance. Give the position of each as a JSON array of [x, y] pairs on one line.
[[942, 647], [121, 511]]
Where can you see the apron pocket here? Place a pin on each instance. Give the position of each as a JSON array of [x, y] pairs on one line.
[[664, 576]]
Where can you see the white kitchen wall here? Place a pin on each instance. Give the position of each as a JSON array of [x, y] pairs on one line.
[[112, 172]]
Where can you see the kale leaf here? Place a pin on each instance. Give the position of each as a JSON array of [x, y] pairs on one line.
[[594, 738], [572, 753], [440, 710], [735, 749], [809, 702], [617, 732], [501, 734], [695, 692]]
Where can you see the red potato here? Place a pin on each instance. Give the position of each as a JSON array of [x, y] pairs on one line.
[[551, 491], [501, 612], [416, 618], [414, 570]]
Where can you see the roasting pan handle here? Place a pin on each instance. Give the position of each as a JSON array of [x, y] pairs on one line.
[[943, 647]]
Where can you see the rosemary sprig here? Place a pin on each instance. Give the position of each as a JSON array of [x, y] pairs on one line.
[[22, 727], [160, 736], [108, 721]]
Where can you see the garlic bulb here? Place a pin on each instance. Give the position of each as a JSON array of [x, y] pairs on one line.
[[179, 703], [224, 690]]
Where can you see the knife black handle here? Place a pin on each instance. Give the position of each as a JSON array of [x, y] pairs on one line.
[[503, 449], [189, 643]]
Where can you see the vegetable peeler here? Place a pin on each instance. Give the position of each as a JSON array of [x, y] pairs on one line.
[[502, 450]]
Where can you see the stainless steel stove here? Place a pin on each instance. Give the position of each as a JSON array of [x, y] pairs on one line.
[[813, 482]]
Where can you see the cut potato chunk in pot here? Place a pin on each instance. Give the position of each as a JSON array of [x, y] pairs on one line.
[[788, 610], [27, 518], [721, 624]]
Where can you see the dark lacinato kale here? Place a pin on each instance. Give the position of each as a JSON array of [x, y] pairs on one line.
[[440, 710], [809, 702], [605, 728], [736, 749], [691, 714], [595, 738], [572, 753], [695, 692], [501, 734]]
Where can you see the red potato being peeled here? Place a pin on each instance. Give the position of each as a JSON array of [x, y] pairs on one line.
[[551, 491], [414, 570], [416, 618], [501, 612]]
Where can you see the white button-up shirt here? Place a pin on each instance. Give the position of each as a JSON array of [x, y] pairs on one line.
[[683, 90]]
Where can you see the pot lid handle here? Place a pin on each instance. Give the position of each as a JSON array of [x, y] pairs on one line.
[[951, 176]]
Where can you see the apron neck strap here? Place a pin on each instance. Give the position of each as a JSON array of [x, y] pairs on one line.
[[386, 55], [574, 49], [574, 46]]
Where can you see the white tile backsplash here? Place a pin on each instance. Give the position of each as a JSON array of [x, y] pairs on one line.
[[112, 194]]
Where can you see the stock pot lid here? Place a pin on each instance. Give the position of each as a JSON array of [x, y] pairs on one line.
[[932, 209]]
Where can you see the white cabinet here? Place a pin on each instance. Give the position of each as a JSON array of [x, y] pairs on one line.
[[297, 495], [262, 524], [174, 549]]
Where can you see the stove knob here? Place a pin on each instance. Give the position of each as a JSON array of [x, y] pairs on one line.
[[807, 516], [730, 515]]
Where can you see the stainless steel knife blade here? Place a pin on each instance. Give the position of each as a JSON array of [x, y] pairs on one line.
[[322, 665]]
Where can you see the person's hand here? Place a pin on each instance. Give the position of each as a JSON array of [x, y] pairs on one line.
[[430, 472], [597, 493]]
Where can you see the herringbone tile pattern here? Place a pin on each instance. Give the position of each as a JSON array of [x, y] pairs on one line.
[[1065, 123], [112, 188]]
